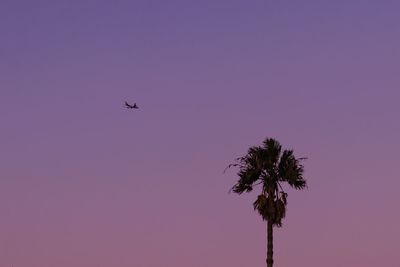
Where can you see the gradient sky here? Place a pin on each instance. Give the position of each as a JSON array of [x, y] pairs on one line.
[[87, 183]]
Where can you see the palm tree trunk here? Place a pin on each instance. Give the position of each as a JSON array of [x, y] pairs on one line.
[[270, 260]]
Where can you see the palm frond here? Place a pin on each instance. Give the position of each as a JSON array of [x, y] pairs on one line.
[[270, 209], [272, 150], [291, 170]]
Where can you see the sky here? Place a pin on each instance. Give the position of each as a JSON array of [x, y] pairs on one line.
[[85, 182]]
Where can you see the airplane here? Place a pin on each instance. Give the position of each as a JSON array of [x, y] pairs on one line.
[[130, 106]]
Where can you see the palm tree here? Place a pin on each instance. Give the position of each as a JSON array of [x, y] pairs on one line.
[[266, 165]]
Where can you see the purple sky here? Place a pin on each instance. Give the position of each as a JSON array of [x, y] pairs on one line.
[[87, 183]]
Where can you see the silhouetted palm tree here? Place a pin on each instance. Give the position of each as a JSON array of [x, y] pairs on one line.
[[268, 166]]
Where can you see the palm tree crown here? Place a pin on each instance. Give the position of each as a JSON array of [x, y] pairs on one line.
[[269, 166]]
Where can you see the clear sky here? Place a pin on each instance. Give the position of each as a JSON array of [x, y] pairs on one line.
[[87, 183]]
